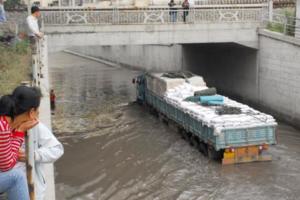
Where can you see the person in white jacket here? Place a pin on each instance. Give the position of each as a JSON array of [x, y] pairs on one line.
[[47, 149]]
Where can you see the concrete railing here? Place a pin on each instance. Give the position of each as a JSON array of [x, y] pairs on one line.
[[286, 25], [40, 79], [149, 16]]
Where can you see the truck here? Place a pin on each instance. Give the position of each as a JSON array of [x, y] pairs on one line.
[[229, 138]]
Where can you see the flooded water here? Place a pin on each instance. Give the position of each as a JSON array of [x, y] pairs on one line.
[[116, 150]]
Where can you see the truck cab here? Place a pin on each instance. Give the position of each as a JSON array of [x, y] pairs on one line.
[[140, 82]]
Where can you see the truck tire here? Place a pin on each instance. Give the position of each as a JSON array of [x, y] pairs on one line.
[[185, 135], [213, 154], [203, 148], [195, 141]]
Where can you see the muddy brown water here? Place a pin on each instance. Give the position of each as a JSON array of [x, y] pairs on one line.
[[116, 150]]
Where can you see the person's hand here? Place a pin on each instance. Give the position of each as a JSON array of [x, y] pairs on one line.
[[40, 35], [22, 156], [25, 126]]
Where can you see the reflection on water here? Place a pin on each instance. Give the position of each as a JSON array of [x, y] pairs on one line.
[[116, 150]]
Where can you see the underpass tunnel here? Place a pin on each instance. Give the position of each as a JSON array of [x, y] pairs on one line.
[[231, 68]]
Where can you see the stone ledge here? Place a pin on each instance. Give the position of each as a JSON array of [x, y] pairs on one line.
[[279, 36]]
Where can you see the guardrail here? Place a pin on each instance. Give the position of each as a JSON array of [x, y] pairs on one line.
[[286, 25], [149, 16], [224, 2], [29, 140], [38, 62]]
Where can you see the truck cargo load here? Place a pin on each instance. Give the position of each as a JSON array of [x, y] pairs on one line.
[[231, 129]]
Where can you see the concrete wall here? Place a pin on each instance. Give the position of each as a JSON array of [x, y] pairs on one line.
[[279, 79], [147, 57], [62, 37], [229, 67]]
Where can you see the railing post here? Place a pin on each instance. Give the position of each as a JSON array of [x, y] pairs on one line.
[[285, 25], [297, 27], [270, 7]]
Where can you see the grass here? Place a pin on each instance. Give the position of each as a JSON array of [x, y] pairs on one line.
[[14, 66]]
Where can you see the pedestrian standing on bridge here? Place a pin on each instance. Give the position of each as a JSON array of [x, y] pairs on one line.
[[186, 7], [173, 11], [52, 101], [33, 28], [2, 12]]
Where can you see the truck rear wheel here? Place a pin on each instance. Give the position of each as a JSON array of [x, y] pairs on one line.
[[213, 154], [184, 135], [195, 141], [203, 148]]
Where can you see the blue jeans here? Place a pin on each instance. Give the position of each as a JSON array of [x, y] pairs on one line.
[[173, 16], [14, 183]]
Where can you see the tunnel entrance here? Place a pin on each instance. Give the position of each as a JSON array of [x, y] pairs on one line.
[[231, 68]]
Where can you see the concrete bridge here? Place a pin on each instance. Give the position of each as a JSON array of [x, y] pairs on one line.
[[101, 27]]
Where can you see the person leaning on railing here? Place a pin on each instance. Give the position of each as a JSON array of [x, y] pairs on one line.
[[18, 113], [34, 32], [186, 7], [173, 11], [47, 149]]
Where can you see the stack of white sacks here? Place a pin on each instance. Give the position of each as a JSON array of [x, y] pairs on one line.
[[176, 93]]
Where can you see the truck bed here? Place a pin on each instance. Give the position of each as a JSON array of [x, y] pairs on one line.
[[229, 138]]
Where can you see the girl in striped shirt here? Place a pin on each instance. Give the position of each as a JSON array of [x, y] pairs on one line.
[[18, 113]]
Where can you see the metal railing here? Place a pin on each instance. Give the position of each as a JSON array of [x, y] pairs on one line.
[[224, 2], [286, 25], [149, 16]]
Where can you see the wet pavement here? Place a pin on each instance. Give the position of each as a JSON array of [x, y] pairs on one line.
[[116, 150]]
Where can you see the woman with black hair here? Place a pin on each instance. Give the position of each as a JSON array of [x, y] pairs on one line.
[[18, 113]]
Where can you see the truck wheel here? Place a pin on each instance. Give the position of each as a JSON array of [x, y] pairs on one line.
[[213, 154], [195, 142], [185, 135], [203, 148], [163, 119]]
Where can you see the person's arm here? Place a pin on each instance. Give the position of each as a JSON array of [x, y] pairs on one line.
[[50, 148], [10, 143], [30, 24]]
